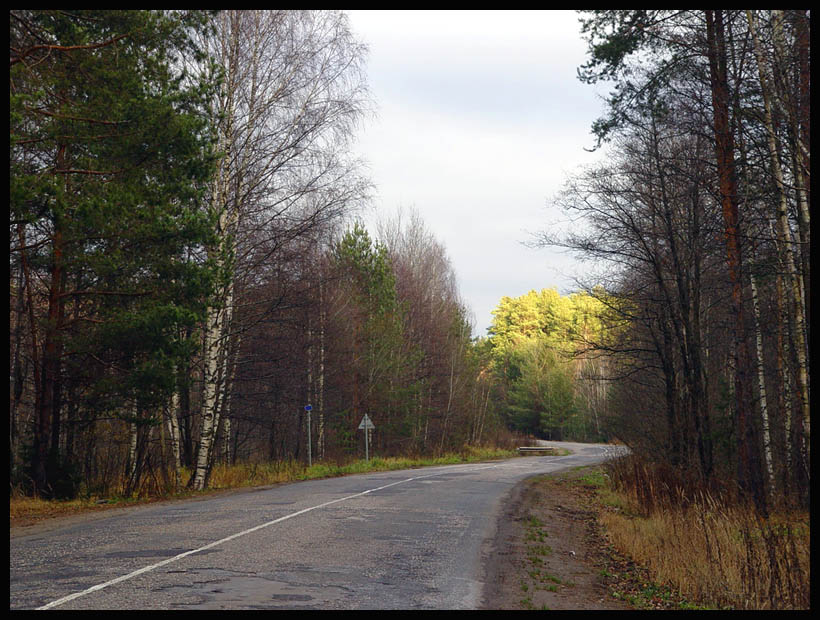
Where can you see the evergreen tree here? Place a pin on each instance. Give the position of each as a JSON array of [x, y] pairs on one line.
[[544, 348], [108, 159], [378, 361]]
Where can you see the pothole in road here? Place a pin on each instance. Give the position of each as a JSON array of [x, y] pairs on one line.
[[214, 588], [291, 597]]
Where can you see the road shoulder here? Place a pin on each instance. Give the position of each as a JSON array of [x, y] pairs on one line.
[[548, 551]]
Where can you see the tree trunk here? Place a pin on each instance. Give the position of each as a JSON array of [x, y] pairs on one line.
[[784, 392], [48, 403], [748, 462], [764, 411], [18, 371], [795, 304], [320, 439], [172, 420], [794, 99], [212, 381], [218, 321]]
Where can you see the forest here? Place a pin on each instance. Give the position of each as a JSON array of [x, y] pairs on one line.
[[698, 226], [548, 381], [187, 270]]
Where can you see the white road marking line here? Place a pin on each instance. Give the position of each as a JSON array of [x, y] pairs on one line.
[[147, 569]]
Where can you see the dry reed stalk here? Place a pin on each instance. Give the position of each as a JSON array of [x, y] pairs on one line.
[[704, 545]]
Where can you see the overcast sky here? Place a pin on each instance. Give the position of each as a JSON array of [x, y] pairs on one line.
[[480, 119]]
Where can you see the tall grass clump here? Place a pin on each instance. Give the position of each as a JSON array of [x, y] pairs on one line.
[[705, 542]]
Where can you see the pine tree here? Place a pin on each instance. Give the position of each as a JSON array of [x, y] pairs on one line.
[[108, 160]]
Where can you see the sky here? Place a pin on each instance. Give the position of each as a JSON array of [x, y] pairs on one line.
[[480, 119]]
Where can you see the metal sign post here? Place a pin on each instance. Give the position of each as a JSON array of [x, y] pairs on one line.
[[308, 408], [366, 425]]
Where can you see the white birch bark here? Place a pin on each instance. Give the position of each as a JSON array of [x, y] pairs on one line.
[[215, 384], [311, 393], [226, 439], [173, 432], [801, 151], [229, 374], [764, 411], [216, 324], [217, 320], [289, 100], [210, 408], [784, 397], [132, 453], [785, 238]]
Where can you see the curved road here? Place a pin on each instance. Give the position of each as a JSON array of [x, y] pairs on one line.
[[410, 539]]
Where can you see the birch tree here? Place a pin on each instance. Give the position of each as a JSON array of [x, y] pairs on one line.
[[795, 301], [291, 95], [738, 79]]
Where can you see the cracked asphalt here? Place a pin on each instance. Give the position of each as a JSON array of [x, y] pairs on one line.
[[410, 539]]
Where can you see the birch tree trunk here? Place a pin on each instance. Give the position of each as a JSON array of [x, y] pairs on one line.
[[289, 100], [226, 440], [216, 340], [132, 454], [795, 302], [172, 421], [792, 99], [764, 411], [784, 399], [213, 380], [218, 315]]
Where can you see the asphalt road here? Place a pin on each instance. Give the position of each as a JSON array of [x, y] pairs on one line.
[[410, 539]]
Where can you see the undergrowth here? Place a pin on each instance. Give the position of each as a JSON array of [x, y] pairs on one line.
[[709, 547]]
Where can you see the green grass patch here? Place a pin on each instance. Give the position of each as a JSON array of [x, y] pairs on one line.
[[540, 550], [594, 478], [533, 521]]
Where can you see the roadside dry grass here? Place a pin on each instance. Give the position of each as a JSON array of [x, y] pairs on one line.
[[551, 553], [626, 580], [244, 475], [25, 510], [650, 551], [708, 549]]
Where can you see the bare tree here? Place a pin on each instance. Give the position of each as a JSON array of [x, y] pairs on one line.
[[292, 94], [795, 300]]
